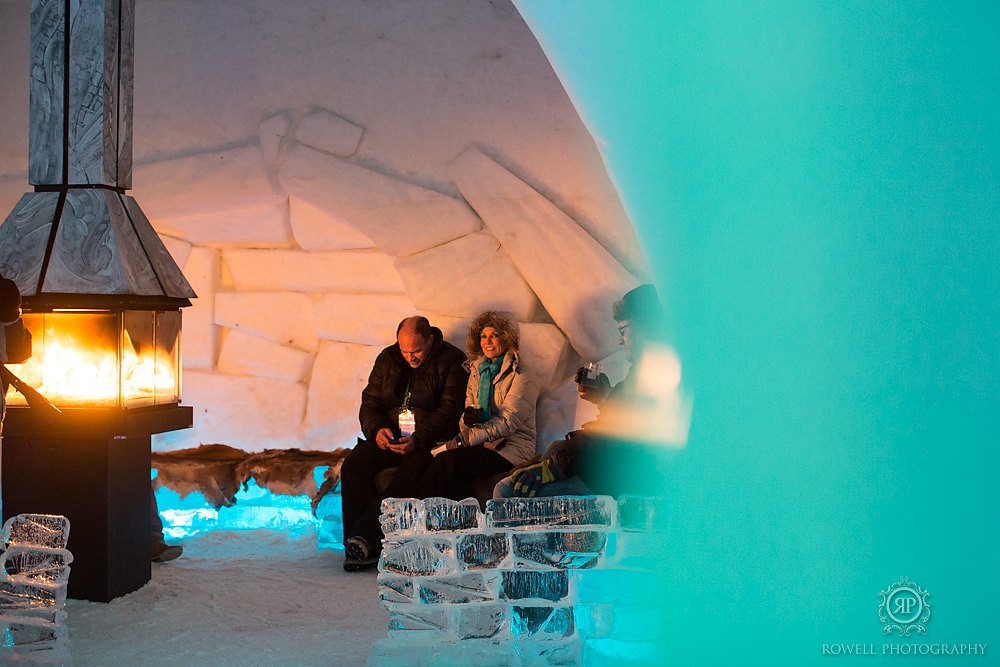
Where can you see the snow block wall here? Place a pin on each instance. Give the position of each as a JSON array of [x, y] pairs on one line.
[[532, 579], [321, 170]]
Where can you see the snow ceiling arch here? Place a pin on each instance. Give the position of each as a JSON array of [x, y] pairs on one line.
[[322, 169]]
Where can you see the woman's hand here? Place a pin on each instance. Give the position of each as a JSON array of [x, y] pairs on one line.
[[494, 444], [471, 416]]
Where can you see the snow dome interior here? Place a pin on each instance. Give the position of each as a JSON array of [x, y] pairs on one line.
[[321, 170]]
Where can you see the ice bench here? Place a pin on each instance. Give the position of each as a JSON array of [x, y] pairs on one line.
[[558, 581]]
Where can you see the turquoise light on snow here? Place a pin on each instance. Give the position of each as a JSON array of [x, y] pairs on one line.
[[255, 508]]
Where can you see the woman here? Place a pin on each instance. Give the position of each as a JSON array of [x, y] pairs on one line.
[[497, 430]]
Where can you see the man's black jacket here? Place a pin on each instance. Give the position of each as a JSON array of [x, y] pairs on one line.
[[437, 392]]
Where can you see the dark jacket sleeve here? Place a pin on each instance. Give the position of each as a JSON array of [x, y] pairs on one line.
[[374, 413], [17, 343], [442, 422]]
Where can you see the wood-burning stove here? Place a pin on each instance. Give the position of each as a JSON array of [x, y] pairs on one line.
[[102, 298], [88, 358]]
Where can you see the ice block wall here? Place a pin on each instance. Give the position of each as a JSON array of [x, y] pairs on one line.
[[34, 571], [321, 169], [561, 580]]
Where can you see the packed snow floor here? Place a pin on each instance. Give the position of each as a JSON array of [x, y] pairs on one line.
[[236, 598]]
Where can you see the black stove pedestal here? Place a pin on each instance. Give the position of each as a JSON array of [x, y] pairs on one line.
[[92, 466]]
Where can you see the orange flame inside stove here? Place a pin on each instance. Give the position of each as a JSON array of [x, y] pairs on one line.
[[71, 373]]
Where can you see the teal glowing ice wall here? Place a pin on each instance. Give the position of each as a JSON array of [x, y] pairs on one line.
[[817, 184]]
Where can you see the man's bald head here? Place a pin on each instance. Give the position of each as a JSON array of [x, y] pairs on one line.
[[415, 339]]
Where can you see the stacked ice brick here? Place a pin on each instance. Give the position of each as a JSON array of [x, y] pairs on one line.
[[34, 570], [513, 587]]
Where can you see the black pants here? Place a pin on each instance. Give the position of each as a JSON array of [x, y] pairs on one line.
[[155, 523], [360, 497], [452, 474]]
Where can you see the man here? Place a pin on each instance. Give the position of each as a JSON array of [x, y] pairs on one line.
[[414, 399], [619, 451], [15, 340]]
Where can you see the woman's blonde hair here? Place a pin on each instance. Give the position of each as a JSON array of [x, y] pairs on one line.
[[504, 326]]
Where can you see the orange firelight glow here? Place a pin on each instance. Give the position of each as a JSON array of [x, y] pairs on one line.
[[70, 372]]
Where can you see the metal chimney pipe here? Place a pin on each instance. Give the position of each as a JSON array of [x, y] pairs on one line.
[[78, 239]]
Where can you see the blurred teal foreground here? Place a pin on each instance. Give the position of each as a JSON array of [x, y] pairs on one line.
[[816, 184]]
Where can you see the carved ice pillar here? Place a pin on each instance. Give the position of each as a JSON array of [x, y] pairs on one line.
[[79, 233], [81, 93]]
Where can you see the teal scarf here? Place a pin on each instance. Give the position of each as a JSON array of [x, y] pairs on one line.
[[487, 372]]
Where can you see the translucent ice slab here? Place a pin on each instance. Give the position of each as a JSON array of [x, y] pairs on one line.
[[541, 622], [48, 531], [551, 511], [559, 549], [46, 566], [330, 514], [479, 550], [446, 514], [482, 621], [421, 556], [22, 595], [459, 588], [394, 588], [25, 631], [401, 517], [551, 585], [407, 621], [642, 513]]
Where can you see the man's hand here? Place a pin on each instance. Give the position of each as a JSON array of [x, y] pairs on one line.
[[403, 445], [529, 479], [383, 437], [593, 389]]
